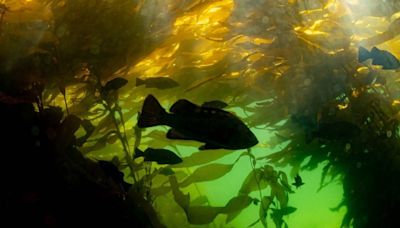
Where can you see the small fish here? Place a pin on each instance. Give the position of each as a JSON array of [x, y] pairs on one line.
[[297, 181], [114, 173], [214, 104], [379, 57], [157, 82], [336, 131], [114, 84], [161, 156], [215, 127]]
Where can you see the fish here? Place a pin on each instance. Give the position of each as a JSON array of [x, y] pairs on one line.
[[297, 181], [379, 57], [340, 130], [157, 82], [114, 173], [161, 156], [217, 128], [114, 84], [214, 104]]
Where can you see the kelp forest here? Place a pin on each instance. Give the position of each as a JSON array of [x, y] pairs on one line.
[[200, 113]]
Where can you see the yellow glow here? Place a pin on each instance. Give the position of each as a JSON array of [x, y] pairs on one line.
[[255, 57], [204, 20], [233, 74], [396, 102], [313, 32], [341, 107], [203, 24], [259, 41], [363, 70]]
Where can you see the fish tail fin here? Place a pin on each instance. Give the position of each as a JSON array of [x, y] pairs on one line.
[[139, 82], [138, 153], [152, 113], [363, 54]]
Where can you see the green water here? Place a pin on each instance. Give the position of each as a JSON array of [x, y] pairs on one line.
[[286, 68], [314, 205]]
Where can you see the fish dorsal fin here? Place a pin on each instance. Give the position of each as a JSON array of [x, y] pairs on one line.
[[363, 54], [375, 50], [183, 106]]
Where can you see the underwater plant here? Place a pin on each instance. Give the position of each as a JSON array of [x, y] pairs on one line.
[[78, 86]]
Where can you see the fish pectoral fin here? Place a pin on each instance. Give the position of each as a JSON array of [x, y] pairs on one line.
[[209, 146], [174, 134]]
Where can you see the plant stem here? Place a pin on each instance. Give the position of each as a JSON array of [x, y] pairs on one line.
[[251, 157], [129, 160]]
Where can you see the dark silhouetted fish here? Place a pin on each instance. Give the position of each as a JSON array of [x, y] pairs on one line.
[[216, 128], [157, 82], [112, 171], [115, 84], [214, 104], [161, 156], [297, 181], [379, 57]]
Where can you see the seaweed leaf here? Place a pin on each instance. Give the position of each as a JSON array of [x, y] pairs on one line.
[[181, 199], [202, 157], [200, 215], [254, 223], [207, 173], [235, 206], [325, 171], [200, 200], [166, 171], [277, 214], [284, 181], [264, 207], [250, 183], [279, 192]]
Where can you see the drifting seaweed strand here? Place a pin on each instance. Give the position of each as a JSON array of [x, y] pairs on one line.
[[124, 142], [252, 161]]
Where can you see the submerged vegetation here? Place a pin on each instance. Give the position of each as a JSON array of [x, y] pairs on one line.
[[320, 76]]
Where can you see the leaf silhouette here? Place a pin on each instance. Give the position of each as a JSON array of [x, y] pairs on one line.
[[181, 199], [166, 171], [237, 203], [207, 173], [200, 200], [200, 215], [279, 192], [277, 214], [284, 181], [253, 180], [202, 157], [264, 207], [235, 206]]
